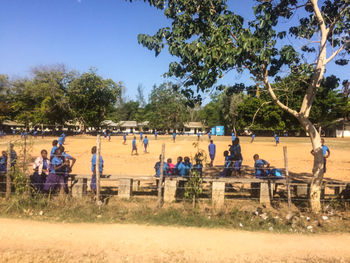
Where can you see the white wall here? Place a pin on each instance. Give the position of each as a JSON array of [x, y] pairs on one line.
[[340, 133]]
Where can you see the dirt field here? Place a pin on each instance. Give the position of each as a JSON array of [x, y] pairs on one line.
[[30, 241], [118, 159]]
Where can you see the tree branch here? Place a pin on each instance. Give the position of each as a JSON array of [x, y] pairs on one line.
[[335, 53], [257, 111]]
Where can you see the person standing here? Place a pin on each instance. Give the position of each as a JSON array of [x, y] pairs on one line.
[[209, 136], [253, 137], [233, 136], [212, 152], [155, 135], [145, 144], [198, 136], [124, 138], [174, 136], [326, 153], [134, 146], [277, 138], [93, 169]]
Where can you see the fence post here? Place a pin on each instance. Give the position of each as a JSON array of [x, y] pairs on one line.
[[160, 199], [8, 171], [98, 154], [287, 175]]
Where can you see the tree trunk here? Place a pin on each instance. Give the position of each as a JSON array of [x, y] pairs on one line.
[[234, 126], [317, 171]]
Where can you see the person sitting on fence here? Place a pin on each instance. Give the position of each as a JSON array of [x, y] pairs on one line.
[[345, 194], [171, 167], [236, 157], [93, 169], [3, 161], [180, 168], [188, 166], [69, 161], [261, 167], [227, 165], [157, 167], [55, 179], [54, 147], [198, 166], [41, 171]]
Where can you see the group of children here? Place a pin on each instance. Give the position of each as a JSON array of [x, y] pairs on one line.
[[182, 167], [4, 157]]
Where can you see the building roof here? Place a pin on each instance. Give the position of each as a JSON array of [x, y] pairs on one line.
[[193, 124], [144, 123], [128, 124], [109, 123], [12, 123]]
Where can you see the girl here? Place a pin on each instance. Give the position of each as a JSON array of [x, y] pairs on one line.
[[41, 170]]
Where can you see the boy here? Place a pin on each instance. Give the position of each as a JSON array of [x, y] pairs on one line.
[[209, 136], [109, 136], [60, 140], [67, 159], [180, 167], [134, 146], [35, 133], [326, 153], [141, 136], [93, 169], [212, 152], [253, 137], [55, 179], [188, 166], [155, 135], [157, 168], [145, 144], [105, 135], [261, 167], [3, 162], [277, 139], [198, 136], [233, 136], [124, 138], [174, 136], [54, 144]]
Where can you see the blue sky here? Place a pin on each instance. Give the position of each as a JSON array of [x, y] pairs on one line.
[[91, 33]]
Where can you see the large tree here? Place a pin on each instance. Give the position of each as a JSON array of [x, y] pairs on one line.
[[210, 40], [92, 98]]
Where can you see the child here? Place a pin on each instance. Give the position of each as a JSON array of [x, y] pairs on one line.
[[233, 136], [171, 167], [188, 166], [145, 144], [174, 136], [55, 179], [105, 135], [3, 162], [157, 167], [93, 169], [54, 144], [35, 133], [41, 171], [253, 137], [326, 154], [155, 135], [124, 138], [198, 166], [198, 136], [180, 167], [60, 140], [69, 166], [141, 136], [277, 139], [109, 136], [134, 146], [209, 136], [212, 152], [227, 166], [261, 167]]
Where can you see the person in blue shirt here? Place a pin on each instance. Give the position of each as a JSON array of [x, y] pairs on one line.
[[134, 146], [145, 144], [105, 134], [93, 169], [198, 165], [209, 135], [236, 156], [157, 168], [180, 167], [109, 135], [233, 136], [55, 179], [69, 161], [3, 161], [188, 166], [60, 141], [277, 139], [253, 137], [35, 133], [261, 167], [212, 152], [54, 147], [124, 138], [198, 136], [155, 134], [326, 153], [141, 136], [174, 136]]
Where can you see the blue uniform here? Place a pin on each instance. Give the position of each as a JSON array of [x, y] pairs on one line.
[[124, 137], [3, 164], [141, 136], [134, 144], [188, 167], [174, 135], [212, 150], [199, 168], [253, 137], [233, 136], [155, 134], [209, 135], [325, 149], [93, 165], [260, 171], [60, 141], [53, 151], [145, 143], [165, 169], [180, 169]]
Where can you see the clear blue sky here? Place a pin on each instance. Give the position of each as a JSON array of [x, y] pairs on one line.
[[91, 33]]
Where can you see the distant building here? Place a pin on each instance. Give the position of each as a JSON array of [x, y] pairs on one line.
[[339, 128], [193, 127]]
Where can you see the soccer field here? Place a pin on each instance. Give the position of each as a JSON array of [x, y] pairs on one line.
[[118, 159]]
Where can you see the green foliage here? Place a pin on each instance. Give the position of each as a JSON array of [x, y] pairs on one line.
[[193, 187], [92, 98]]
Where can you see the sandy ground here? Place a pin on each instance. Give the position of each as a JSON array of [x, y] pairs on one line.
[[118, 159], [31, 241]]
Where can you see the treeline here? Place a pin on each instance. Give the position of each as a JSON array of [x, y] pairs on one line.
[[54, 95]]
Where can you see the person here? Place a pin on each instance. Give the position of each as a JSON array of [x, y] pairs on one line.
[[188, 166], [3, 161], [277, 138], [134, 146], [233, 136], [198, 136], [326, 153], [35, 133], [41, 171], [180, 167], [13, 156], [109, 135], [13, 132], [69, 161], [209, 135], [212, 152], [60, 140], [155, 134], [236, 156], [171, 166], [157, 167], [54, 147], [145, 144], [198, 166], [174, 136], [253, 137], [105, 134], [93, 169], [124, 138], [261, 166], [141, 136], [55, 178]]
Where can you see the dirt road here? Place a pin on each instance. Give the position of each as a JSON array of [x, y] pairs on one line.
[[30, 241]]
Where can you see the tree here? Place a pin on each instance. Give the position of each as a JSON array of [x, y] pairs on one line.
[[4, 89], [140, 97], [167, 108], [91, 98], [209, 40]]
